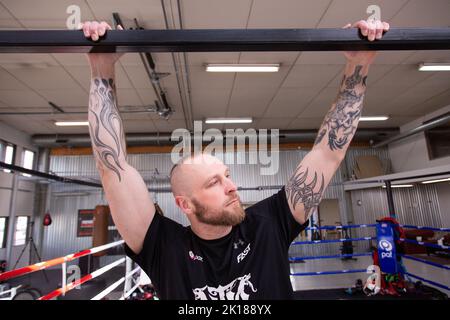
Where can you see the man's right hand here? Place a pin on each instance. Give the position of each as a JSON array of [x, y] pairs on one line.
[[94, 30]]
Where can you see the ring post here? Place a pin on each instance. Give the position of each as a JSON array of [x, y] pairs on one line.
[[387, 254]]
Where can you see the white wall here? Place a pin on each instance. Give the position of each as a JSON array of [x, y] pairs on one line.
[[411, 153]]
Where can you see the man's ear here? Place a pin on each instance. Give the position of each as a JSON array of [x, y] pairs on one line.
[[184, 204]]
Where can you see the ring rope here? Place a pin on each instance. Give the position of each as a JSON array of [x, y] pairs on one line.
[[126, 295], [330, 241], [53, 262], [342, 227], [432, 245], [425, 228], [426, 262], [320, 273], [429, 281], [109, 289], [330, 257], [79, 282]]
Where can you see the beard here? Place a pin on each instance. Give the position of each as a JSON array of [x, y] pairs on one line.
[[227, 216]]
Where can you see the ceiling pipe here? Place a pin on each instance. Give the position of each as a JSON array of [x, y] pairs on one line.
[[162, 107], [135, 139], [185, 97], [443, 119]]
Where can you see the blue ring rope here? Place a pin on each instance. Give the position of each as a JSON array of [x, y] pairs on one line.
[[429, 281], [424, 228], [330, 257], [342, 227], [329, 241], [425, 244], [320, 273], [426, 262]]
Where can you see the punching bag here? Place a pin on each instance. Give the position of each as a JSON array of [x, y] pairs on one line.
[[47, 220]]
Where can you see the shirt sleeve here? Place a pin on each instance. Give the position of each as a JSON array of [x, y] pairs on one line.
[[276, 208], [158, 243]]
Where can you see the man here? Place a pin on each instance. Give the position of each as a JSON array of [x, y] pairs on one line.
[[226, 253]]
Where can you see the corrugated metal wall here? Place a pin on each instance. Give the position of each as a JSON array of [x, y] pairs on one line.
[[415, 206], [61, 239]]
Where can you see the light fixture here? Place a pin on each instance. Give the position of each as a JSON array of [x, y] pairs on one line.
[[434, 67], [435, 181], [242, 67], [374, 118], [228, 120], [401, 186], [71, 123]]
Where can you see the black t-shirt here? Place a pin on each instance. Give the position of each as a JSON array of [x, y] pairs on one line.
[[251, 262]]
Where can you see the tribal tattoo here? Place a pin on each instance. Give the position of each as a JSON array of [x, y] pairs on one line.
[[105, 125], [299, 191], [341, 121]]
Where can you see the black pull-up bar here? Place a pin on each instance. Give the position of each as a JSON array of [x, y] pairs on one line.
[[221, 40]]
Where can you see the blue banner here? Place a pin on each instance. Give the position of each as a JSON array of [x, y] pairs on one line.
[[386, 248]]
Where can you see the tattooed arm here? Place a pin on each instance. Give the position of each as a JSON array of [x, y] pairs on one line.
[[131, 206], [306, 187]]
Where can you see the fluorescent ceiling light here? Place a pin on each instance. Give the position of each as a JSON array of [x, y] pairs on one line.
[[401, 186], [71, 123], [374, 118], [435, 181], [242, 67], [434, 67], [228, 120]]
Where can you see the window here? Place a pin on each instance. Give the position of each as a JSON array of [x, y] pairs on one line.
[[3, 231], [7, 153], [28, 161], [20, 235], [438, 141]]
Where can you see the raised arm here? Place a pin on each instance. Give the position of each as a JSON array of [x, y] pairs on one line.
[[306, 187], [131, 206]]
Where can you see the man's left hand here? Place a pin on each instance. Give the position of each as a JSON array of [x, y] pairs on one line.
[[373, 30]]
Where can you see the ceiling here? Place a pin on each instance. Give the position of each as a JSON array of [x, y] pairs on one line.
[[297, 97]]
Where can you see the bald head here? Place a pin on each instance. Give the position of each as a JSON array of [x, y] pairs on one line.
[[189, 172]]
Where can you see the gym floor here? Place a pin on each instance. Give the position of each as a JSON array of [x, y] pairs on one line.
[[333, 286]]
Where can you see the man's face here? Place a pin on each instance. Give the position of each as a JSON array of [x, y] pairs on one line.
[[213, 194]]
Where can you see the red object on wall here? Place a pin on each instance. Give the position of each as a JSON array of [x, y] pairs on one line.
[[47, 220]]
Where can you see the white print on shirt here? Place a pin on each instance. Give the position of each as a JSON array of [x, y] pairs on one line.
[[195, 257], [235, 290], [238, 243], [243, 254]]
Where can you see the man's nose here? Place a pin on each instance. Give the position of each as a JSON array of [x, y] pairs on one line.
[[230, 186]]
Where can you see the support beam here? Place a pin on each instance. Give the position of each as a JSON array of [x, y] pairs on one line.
[[222, 40], [390, 198]]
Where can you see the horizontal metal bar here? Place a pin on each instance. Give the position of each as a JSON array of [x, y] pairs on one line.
[[383, 179], [47, 175], [221, 40]]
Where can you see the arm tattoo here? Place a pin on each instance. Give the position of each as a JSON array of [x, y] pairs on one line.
[[105, 125], [341, 121], [298, 191]]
